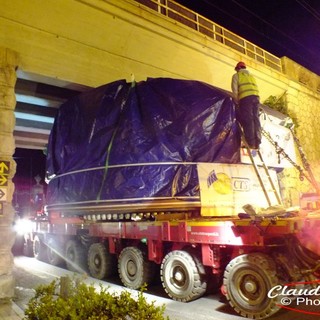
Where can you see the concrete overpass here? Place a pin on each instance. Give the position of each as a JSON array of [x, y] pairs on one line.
[[67, 47]]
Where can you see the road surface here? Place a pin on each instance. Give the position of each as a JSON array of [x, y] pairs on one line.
[[30, 273]]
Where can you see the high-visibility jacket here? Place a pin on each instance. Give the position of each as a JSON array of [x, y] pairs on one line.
[[247, 85]]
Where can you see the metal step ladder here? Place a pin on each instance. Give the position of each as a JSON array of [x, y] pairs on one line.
[[256, 169]]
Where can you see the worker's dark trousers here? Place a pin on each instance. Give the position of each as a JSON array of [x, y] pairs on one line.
[[248, 116]]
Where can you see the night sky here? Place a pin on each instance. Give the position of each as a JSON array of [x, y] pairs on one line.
[[288, 28]]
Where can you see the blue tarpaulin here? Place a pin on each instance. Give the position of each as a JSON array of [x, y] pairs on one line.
[[139, 140]]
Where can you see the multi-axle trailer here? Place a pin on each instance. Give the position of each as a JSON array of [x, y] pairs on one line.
[[153, 178]]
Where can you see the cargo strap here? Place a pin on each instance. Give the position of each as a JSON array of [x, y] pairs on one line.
[[108, 151]]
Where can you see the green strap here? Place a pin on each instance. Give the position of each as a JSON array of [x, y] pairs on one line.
[[106, 165]]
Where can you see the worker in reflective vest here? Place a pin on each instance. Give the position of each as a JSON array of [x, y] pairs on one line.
[[246, 95]]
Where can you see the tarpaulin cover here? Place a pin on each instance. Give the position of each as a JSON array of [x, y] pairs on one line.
[[139, 140]]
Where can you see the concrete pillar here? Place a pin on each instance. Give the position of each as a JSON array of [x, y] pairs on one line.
[[8, 65]]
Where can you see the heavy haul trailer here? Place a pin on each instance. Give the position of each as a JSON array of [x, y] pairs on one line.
[[153, 175]]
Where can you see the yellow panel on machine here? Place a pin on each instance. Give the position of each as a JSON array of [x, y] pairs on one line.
[[226, 188]]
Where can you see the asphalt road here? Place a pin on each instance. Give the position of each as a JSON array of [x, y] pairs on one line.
[[30, 273]]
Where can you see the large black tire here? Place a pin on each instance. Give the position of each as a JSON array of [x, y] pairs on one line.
[[247, 281], [183, 276], [134, 270], [17, 248], [28, 248], [39, 249], [75, 256], [54, 252], [101, 263]]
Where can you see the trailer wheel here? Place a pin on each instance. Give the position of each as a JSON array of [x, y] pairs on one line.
[[247, 281], [101, 263], [75, 256], [134, 270], [39, 249], [28, 248], [183, 276], [54, 252]]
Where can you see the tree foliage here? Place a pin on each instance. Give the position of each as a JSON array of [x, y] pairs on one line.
[[279, 104]]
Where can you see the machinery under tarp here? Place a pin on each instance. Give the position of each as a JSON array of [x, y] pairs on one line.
[[124, 141]]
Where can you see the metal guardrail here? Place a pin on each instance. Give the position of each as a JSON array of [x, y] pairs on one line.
[[212, 30]]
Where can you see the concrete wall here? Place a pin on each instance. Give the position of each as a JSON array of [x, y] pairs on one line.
[[94, 42], [8, 64], [303, 100]]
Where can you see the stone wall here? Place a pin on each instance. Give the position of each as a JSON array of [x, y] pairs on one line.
[[8, 65], [303, 101]]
